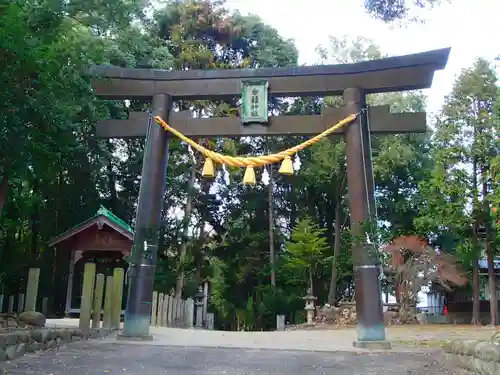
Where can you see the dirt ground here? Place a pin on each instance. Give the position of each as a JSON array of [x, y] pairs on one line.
[[93, 358], [428, 335], [321, 350]]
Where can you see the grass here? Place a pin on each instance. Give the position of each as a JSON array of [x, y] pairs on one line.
[[430, 335], [435, 336], [420, 343]]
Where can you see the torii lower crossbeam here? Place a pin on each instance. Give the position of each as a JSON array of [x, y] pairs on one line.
[[381, 122]]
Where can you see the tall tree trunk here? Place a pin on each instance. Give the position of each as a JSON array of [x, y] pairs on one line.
[[475, 260], [271, 227], [293, 206], [57, 213], [337, 232], [311, 280], [113, 195], [336, 253], [475, 286], [202, 237], [201, 242], [35, 233], [4, 188], [492, 285], [185, 231]]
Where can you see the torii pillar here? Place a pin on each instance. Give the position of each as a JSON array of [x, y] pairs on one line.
[[147, 227], [368, 293]]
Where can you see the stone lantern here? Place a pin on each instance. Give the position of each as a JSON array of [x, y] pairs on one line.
[[198, 301], [309, 307]]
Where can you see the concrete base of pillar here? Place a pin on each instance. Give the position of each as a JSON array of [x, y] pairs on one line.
[[372, 345], [122, 337]]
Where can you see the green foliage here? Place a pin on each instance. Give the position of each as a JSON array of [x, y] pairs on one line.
[[306, 251], [463, 144], [397, 10]]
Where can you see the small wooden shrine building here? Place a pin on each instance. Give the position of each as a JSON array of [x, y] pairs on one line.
[[103, 239]]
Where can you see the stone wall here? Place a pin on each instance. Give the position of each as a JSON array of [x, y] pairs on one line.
[[16, 343], [432, 319], [473, 356]]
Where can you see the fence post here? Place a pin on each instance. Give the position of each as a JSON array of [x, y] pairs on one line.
[[166, 307], [116, 313], [159, 314], [179, 309], [108, 302], [87, 291], [174, 310], [199, 308], [280, 322], [167, 311], [97, 307], [183, 312], [32, 289], [164, 311], [154, 308], [45, 305], [20, 303], [11, 304], [210, 321], [188, 313]]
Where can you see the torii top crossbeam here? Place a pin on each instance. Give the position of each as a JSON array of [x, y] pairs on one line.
[[400, 73]]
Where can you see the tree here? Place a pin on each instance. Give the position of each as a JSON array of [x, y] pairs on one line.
[[46, 92], [305, 252], [414, 264], [457, 195], [394, 10]]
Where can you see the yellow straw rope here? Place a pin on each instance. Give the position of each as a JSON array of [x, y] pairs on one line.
[[254, 161]]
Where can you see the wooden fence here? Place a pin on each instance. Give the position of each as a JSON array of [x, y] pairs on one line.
[[168, 311], [102, 298], [20, 302]]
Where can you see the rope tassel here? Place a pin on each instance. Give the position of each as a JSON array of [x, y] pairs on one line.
[[208, 168], [286, 166], [284, 156], [249, 177]]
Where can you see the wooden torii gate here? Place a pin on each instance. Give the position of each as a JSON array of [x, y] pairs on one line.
[[352, 81]]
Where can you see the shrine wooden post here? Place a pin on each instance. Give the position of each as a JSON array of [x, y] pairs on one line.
[[353, 81]]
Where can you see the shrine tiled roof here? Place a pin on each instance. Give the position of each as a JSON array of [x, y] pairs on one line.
[[103, 214]]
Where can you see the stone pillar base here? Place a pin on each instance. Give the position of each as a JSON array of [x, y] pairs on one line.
[[372, 345]]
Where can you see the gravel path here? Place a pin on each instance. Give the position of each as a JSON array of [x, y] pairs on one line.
[[101, 357]]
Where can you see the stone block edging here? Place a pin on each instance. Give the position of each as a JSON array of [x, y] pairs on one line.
[[474, 356], [16, 343]]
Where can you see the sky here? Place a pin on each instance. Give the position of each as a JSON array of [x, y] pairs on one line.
[[469, 27]]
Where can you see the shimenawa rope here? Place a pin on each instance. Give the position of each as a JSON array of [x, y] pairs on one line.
[[253, 161]]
